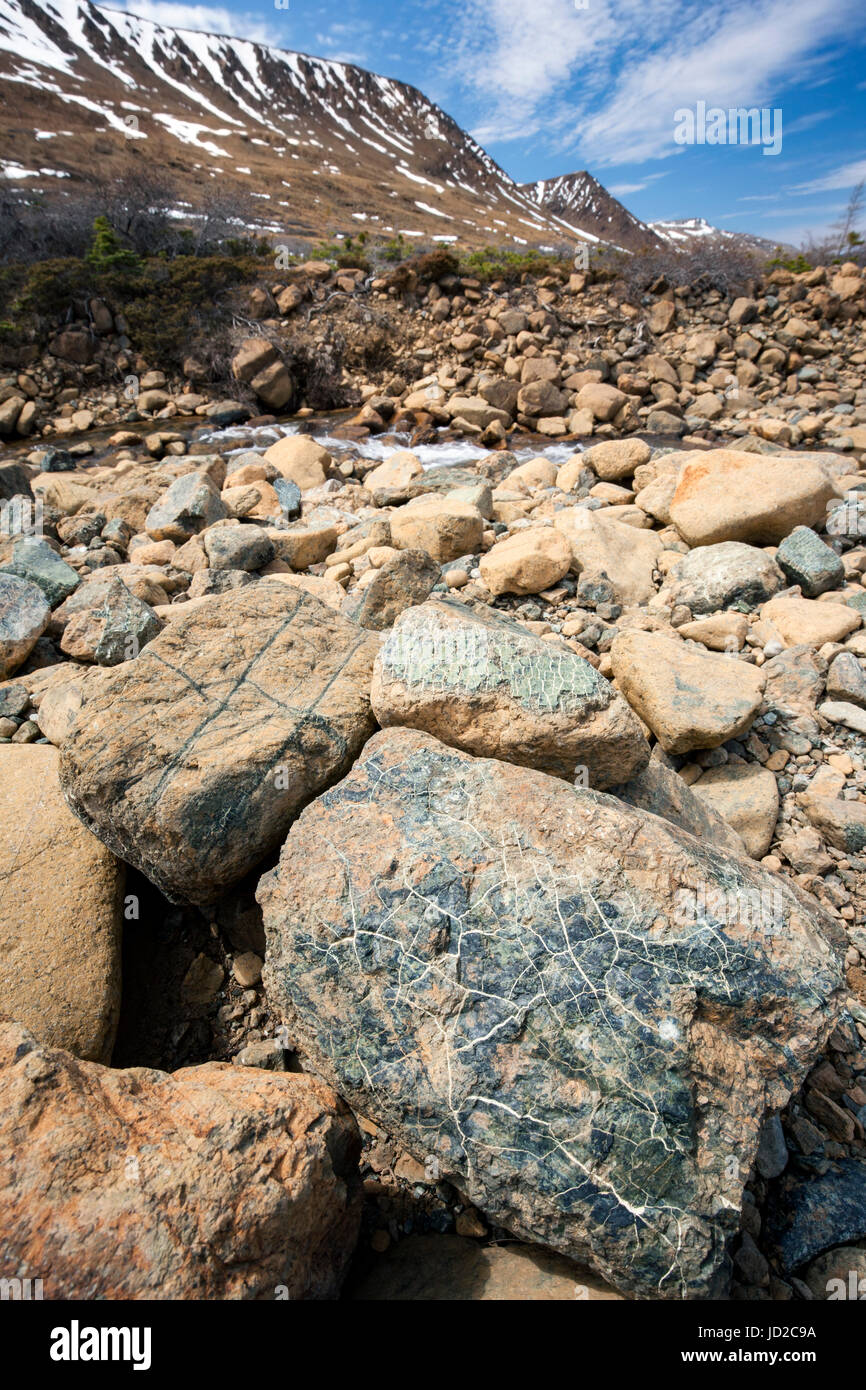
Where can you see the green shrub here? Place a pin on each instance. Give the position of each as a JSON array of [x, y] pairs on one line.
[[107, 252]]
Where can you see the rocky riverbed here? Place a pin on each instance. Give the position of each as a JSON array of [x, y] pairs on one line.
[[434, 837]]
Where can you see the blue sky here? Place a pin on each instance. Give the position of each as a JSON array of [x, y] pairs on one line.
[[551, 86]]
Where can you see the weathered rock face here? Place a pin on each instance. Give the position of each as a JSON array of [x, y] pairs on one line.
[[484, 684], [730, 495], [606, 549], [24, 615], [60, 912], [403, 580], [194, 758], [689, 699], [495, 967], [663, 792], [215, 1182], [718, 576], [190, 505]]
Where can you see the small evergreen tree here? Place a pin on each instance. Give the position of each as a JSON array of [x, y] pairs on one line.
[[106, 250]]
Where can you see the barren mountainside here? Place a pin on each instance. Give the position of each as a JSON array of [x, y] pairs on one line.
[[316, 146]]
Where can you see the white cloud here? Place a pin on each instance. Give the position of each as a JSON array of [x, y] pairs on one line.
[[605, 81], [846, 176], [208, 19]]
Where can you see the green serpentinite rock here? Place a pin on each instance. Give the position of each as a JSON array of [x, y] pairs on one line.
[[572, 1010], [486, 684]]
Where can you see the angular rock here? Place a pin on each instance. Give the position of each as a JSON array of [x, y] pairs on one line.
[[611, 550], [841, 823], [195, 758], [526, 563], [402, 581], [443, 526], [60, 912], [190, 505], [491, 965], [663, 792], [731, 495], [238, 547], [300, 459], [720, 576], [215, 1182], [808, 561], [304, 543], [616, 459], [112, 631], [846, 680], [746, 795], [811, 1210], [483, 683], [689, 699], [33, 559], [604, 401], [24, 616]]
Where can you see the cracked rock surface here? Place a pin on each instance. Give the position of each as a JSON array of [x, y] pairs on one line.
[[497, 968], [194, 759]]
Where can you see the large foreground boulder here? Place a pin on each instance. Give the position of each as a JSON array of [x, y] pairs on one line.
[[194, 759], [216, 1182], [60, 911], [575, 1010], [485, 684]]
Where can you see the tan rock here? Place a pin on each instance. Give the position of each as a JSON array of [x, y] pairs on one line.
[[319, 585], [214, 1182], [483, 683], [721, 632], [304, 543], [747, 797], [534, 473], [731, 495], [446, 528], [605, 549], [60, 911], [616, 459], [526, 563], [809, 622], [602, 400], [300, 459], [688, 699], [398, 470]]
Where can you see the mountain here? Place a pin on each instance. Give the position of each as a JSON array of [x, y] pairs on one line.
[[584, 205], [685, 233], [301, 146], [312, 147]]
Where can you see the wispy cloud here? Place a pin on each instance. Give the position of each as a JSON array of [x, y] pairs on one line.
[[597, 85], [208, 19], [846, 176]]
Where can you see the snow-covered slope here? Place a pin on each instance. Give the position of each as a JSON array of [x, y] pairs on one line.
[[316, 146], [585, 205]]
